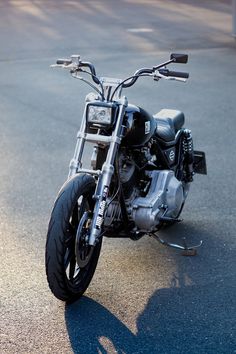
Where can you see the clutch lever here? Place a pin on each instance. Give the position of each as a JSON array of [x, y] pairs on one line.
[[71, 64], [159, 76]]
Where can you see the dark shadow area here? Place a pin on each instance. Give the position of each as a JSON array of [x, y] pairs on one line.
[[87, 322], [189, 319], [196, 314]]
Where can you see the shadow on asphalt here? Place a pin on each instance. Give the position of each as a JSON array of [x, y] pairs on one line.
[[196, 314], [88, 322]]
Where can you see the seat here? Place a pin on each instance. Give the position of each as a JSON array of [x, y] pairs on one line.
[[169, 121]]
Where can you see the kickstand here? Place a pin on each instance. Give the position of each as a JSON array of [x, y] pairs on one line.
[[186, 251]]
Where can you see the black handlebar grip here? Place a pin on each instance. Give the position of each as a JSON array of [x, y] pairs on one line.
[[179, 74], [167, 72], [64, 61]]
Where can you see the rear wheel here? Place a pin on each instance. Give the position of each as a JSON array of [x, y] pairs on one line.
[[70, 261]]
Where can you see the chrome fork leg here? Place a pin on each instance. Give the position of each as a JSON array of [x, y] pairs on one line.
[[104, 180]]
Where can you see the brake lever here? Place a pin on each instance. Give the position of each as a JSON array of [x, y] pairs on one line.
[[159, 76], [72, 67], [176, 79], [73, 64], [56, 66]]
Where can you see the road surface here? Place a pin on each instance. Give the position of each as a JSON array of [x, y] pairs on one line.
[[144, 298]]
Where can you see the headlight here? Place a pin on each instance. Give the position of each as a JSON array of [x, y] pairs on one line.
[[100, 113]]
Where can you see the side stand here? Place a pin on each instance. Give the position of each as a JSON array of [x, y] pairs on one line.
[[186, 251]]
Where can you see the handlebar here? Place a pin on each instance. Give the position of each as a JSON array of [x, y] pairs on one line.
[[91, 67], [136, 76], [164, 72], [75, 65]]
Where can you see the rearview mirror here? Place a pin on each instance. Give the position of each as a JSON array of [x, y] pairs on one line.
[[179, 58]]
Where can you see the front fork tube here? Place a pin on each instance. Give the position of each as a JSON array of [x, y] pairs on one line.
[[104, 180], [75, 163], [105, 177]]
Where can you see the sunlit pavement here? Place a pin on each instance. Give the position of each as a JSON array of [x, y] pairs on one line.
[[144, 298]]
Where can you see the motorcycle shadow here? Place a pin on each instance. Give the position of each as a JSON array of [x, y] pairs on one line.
[[94, 329], [194, 315]]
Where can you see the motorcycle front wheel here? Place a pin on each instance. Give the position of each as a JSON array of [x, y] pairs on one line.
[[66, 239]]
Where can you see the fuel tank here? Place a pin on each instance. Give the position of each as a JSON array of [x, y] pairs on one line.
[[140, 126]]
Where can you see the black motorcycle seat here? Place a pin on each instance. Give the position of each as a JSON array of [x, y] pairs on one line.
[[169, 121]]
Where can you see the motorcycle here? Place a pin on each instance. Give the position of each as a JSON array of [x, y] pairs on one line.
[[141, 169]]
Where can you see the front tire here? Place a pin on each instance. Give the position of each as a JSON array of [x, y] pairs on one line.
[[66, 279]]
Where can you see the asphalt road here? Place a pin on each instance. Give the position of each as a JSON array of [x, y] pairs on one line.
[[144, 298]]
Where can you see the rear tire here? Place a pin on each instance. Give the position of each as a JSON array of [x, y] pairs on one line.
[[66, 279]]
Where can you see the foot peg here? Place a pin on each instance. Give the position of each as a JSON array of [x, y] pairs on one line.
[[186, 251]]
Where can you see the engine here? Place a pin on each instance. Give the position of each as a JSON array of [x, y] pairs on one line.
[[165, 197], [160, 197]]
